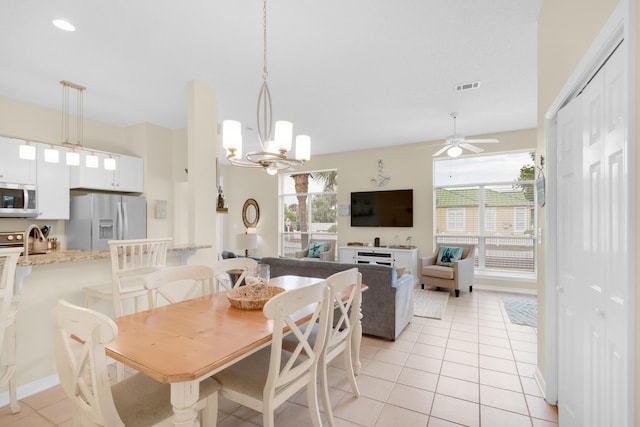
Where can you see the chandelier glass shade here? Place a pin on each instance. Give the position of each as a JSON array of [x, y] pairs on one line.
[[274, 143]]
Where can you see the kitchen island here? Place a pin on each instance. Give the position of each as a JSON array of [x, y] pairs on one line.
[[62, 274], [71, 255]]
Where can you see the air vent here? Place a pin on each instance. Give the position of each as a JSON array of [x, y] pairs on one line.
[[467, 86]]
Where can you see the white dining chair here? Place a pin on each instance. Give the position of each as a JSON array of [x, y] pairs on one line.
[[267, 378], [131, 261], [175, 284], [345, 295], [229, 273], [79, 337], [8, 310]]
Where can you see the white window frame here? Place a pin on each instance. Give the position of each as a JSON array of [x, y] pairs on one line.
[[455, 219]]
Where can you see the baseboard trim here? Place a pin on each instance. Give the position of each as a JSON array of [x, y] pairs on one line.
[[542, 385], [30, 389], [506, 289]]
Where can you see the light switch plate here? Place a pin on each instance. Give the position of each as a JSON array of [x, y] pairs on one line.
[[343, 210]]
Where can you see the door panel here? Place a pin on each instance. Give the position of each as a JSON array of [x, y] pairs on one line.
[[594, 263], [570, 340]]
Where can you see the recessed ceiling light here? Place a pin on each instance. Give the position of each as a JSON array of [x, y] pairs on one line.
[[63, 25]]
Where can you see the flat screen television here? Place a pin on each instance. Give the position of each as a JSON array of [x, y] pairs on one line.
[[392, 208]]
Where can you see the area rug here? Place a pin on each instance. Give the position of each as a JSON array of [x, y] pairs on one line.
[[429, 303], [522, 311]]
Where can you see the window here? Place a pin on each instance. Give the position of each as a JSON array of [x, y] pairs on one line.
[[308, 209], [520, 219], [496, 191], [455, 219], [490, 219]]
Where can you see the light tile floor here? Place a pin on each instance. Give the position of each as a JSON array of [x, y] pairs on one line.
[[471, 368]]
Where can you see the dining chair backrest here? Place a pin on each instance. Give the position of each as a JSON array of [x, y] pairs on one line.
[[345, 288], [290, 370], [162, 286], [8, 310], [132, 259], [79, 336], [8, 305], [229, 273]]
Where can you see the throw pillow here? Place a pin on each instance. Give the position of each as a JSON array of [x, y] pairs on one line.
[[315, 248], [447, 254]]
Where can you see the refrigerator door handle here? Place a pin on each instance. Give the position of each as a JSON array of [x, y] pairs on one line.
[[125, 215], [119, 221]]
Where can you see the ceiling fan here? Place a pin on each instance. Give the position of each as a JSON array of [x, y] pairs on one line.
[[454, 144]]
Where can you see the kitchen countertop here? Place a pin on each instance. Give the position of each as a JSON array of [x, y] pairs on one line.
[[70, 255]]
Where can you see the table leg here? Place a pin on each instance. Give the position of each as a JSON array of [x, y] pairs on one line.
[[184, 396], [356, 339]]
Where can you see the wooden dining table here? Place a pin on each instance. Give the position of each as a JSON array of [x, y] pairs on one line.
[[183, 343]]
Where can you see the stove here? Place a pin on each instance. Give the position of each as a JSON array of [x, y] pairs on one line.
[[11, 239]]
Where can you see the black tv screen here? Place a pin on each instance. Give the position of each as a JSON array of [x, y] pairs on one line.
[[393, 208]]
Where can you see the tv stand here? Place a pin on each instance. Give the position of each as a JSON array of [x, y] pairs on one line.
[[406, 258]]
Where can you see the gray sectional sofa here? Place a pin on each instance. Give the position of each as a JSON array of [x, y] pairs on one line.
[[387, 306]]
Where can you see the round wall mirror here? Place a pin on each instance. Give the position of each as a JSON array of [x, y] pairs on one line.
[[250, 213]]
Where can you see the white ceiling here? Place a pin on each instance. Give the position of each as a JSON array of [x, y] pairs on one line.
[[352, 74]]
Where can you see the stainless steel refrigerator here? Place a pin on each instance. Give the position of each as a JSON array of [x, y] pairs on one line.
[[96, 218]]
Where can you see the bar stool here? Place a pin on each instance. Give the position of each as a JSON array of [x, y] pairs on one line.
[[131, 261]]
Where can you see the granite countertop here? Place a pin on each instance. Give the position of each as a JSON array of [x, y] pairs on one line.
[[63, 255]]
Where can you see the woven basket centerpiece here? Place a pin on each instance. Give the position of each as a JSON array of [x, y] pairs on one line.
[[252, 298]]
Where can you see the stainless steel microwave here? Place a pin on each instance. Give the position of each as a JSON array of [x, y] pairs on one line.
[[17, 200]]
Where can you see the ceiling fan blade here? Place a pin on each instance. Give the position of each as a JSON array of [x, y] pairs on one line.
[[486, 140], [440, 151], [471, 148], [423, 146]]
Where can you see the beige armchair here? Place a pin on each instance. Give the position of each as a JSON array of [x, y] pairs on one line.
[[328, 254], [460, 273]]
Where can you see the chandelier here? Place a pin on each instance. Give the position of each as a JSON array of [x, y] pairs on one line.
[[273, 156]]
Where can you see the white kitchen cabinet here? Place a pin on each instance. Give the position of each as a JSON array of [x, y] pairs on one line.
[[13, 169], [406, 258], [127, 177], [82, 176], [129, 174], [53, 185]]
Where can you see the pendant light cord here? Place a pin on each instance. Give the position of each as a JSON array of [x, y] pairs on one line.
[[265, 73]]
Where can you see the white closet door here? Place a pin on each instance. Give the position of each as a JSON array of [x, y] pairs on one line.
[[593, 261], [617, 265], [570, 279]]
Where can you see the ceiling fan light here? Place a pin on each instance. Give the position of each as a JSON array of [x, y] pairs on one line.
[[454, 151]]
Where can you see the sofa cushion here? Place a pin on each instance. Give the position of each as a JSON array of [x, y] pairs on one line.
[[438, 271], [315, 248], [446, 255]]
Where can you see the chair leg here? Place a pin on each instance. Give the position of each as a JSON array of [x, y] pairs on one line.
[[312, 400], [470, 288], [119, 371], [348, 366], [11, 360], [324, 387], [457, 291]]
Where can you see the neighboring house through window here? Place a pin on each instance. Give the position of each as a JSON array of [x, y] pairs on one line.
[[488, 201]]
